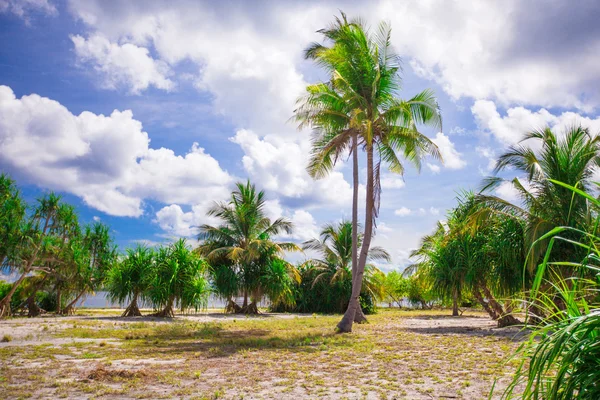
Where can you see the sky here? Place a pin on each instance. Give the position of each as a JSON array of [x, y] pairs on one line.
[[143, 114]]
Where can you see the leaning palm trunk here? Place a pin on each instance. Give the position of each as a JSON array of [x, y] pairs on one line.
[[70, 308], [5, 310], [359, 316], [504, 318], [345, 325]]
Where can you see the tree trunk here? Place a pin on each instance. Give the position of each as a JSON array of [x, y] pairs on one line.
[[504, 318], [345, 325], [5, 302], [166, 312], [58, 301], [483, 303], [69, 309], [32, 308], [132, 309], [359, 316], [249, 309], [232, 307], [455, 303], [245, 304]]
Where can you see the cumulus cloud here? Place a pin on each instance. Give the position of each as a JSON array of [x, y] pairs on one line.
[[391, 181], [452, 158], [505, 51], [433, 168], [280, 166], [124, 65], [403, 212], [510, 128], [24, 8], [105, 160]]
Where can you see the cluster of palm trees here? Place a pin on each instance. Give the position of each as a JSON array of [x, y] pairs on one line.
[[49, 252], [359, 108], [491, 248], [165, 277]]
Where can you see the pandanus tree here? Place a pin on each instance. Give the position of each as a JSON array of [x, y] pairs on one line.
[[542, 158], [130, 278], [334, 248], [179, 279], [12, 211], [241, 251], [93, 254], [359, 107], [41, 242], [485, 260]]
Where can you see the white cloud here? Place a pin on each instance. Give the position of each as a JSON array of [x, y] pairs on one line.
[[403, 212], [452, 158], [433, 168], [124, 65], [280, 166], [96, 218], [489, 154], [510, 128], [507, 191], [391, 181], [509, 51], [23, 8], [105, 160], [434, 211]]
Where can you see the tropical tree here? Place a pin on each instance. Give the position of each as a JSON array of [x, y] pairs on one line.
[[93, 254], [12, 211], [241, 251], [41, 241], [560, 359], [130, 278], [360, 101], [543, 156], [395, 288], [484, 260], [335, 251], [179, 279]]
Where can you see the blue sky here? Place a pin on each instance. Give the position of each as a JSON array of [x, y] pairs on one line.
[[144, 113]]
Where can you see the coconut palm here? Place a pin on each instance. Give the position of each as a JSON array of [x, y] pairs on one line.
[[365, 76], [130, 279], [242, 246], [570, 157]]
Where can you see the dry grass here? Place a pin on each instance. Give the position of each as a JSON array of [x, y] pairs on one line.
[[399, 354]]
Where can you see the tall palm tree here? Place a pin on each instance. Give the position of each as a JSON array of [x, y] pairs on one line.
[[361, 102], [243, 243]]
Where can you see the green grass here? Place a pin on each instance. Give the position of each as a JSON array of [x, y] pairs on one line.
[[268, 357]]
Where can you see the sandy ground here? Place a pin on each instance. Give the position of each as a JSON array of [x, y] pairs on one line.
[[278, 356]]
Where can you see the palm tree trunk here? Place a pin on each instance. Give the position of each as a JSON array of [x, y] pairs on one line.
[[69, 308], [484, 304], [58, 300], [345, 325], [359, 316], [504, 318]]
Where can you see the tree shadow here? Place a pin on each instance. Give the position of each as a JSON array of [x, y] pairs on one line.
[[514, 333]]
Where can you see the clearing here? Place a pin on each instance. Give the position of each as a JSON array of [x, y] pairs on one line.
[[399, 354]]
